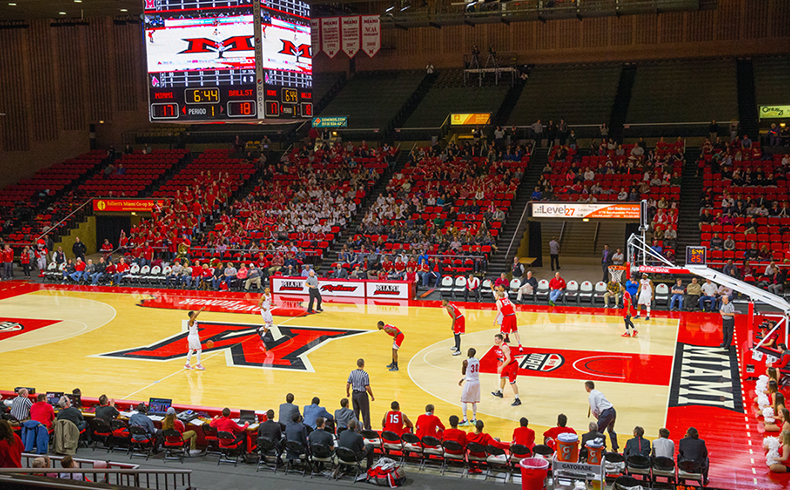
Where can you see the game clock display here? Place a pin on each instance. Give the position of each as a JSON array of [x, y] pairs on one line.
[[696, 255], [238, 61]]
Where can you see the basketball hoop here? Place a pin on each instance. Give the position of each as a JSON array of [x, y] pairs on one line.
[[616, 273]]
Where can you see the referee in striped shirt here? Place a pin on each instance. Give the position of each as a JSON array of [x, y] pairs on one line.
[[20, 406], [359, 382]]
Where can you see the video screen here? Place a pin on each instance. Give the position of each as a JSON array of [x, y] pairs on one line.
[[286, 42], [208, 40]]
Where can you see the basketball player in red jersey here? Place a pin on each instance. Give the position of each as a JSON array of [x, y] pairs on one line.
[[458, 327], [508, 312], [396, 421], [507, 368], [627, 301], [397, 336]]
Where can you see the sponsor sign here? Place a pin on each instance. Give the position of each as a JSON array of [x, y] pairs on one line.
[[126, 205], [470, 119], [774, 111], [330, 36], [388, 289], [349, 289], [351, 37], [564, 210], [658, 269], [330, 122], [371, 34]]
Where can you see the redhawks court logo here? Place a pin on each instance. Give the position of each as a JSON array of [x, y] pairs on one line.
[[384, 290], [331, 288], [542, 362], [10, 327]]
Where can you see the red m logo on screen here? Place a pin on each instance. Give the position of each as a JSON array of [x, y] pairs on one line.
[[290, 49], [205, 45]]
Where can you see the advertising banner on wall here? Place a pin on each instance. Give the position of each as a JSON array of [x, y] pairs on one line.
[[344, 288], [567, 210]]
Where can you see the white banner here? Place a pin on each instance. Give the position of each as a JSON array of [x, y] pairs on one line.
[[330, 36], [347, 288], [350, 35], [315, 34], [371, 34], [383, 290]]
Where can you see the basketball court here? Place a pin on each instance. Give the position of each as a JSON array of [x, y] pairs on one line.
[[131, 345]]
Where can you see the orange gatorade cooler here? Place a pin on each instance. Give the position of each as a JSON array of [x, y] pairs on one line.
[[594, 451], [568, 448]]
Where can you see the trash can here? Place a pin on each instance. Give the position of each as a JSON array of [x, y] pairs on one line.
[[568, 448], [533, 473]]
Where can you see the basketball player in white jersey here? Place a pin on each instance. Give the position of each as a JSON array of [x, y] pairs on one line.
[[265, 304], [471, 393], [645, 296], [193, 340]]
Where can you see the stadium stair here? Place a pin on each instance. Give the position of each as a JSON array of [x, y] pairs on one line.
[[747, 99], [326, 94], [413, 102], [509, 103], [500, 260], [688, 217], [621, 101]]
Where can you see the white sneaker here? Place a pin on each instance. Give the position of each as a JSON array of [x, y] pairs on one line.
[[200, 367], [195, 452], [456, 352], [187, 366], [453, 348]]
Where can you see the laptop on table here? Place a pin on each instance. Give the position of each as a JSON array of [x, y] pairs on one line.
[[159, 406]]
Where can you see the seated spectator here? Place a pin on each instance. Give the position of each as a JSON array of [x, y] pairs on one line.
[[502, 282], [429, 424], [716, 243], [550, 436], [20, 405], [42, 412], [523, 434], [677, 295], [350, 439], [692, 448], [396, 421], [344, 415], [320, 435], [226, 424], [556, 287], [287, 410], [720, 293], [638, 446], [613, 290], [68, 463], [43, 462], [729, 243], [693, 293], [106, 409], [591, 435], [731, 269], [171, 422], [529, 287], [709, 291], [313, 411], [72, 414], [663, 447], [272, 430], [472, 288], [142, 420], [11, 446]]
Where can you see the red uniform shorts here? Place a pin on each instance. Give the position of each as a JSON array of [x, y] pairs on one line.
[[510, 372], [509, 324], [460, 325], [396, 343]]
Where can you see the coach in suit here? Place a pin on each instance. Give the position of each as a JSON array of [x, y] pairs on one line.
[[272, 430], [692, 448], [288, 409]]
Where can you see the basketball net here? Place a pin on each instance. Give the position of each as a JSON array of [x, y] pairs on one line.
[[616, 273]]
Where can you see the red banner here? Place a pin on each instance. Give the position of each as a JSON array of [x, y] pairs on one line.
[[126, 205], [371, 34], [330, 36], [350, 31]]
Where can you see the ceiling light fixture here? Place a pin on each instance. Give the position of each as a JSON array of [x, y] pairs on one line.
[[124, 10], [62, 13], [12, 4], [390, 9]]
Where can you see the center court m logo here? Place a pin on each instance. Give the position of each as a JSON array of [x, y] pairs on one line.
[[286, 348], [289, 48], [204, 45]]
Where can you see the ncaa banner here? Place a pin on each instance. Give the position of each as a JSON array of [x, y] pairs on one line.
[[315, 34], [330, 36], [351, 35], [371, 34]]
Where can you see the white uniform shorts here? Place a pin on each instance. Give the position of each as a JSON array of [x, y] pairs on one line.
[[194, 343], [471, 392], [267, 317], [645, 298]]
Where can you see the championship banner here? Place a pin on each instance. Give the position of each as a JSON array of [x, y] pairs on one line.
[[774, 111], [628, 211], [351, 35], [330, 36], [126, 205], [371, 34], [315, 34], [470, 119]]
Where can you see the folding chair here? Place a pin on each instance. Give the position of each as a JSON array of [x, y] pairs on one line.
[[212, 441], [320, 454], [391, 442], [453, 452], [102, 433], [370, 437], [120, 434], [639, 465], [471, 458], [175, 446], [295, 450], [347, 457], [229, 448], [140, 447], [496, 458], [664, 468], [412, 446], [431, 447], [689, 470], [267, 448]]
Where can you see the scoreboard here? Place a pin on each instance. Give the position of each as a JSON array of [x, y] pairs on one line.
[[229, 61]]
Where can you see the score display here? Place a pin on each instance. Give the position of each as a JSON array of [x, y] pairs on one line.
[[243, 61]]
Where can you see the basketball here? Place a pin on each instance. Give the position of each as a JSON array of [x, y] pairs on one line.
[[210, 344]]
